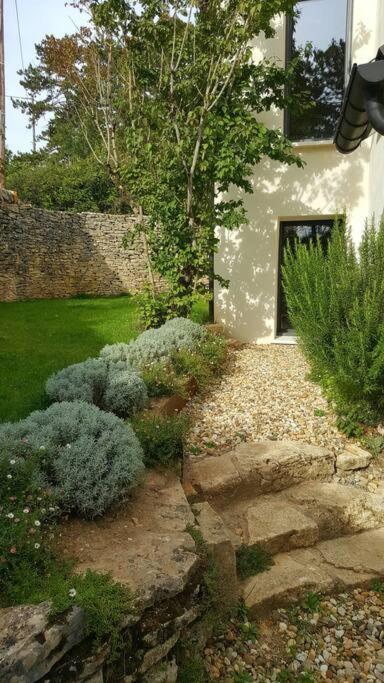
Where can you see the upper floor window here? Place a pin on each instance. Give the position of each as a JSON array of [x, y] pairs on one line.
[[323, 24]]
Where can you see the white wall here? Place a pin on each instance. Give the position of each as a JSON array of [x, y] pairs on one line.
[[376, 181], [329, 183]]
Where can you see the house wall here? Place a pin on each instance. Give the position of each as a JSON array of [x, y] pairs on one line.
[[377, 149], [329, 183]]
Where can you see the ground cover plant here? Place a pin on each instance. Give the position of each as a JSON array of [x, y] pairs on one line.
[[335, 301], [30, 571], [38, 338], [161, 438]]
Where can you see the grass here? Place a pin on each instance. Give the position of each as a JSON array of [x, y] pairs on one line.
[[252, 560], [38, 338]]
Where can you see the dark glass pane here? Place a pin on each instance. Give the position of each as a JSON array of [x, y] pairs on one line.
[[323, 24], [304, 232]]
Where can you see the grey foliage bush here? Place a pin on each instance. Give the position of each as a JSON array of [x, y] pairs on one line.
[[157, 344], [125, 394], [80, 382], [89, 458], [109, 386]]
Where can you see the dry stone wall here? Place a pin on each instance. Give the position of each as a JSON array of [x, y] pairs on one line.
[[52, 254]]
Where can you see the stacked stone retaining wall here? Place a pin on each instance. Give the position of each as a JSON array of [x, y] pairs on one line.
[[55, 254]]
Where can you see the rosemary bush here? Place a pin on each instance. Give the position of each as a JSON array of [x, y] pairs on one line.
[[336, 305]]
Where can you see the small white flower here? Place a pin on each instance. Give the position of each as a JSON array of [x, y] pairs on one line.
[[68, 445], [72, 592], [26, 510], [51, 509], [12, 462], [37, 523], [42, 448], [10, 515], [37, 546], [9, 476]]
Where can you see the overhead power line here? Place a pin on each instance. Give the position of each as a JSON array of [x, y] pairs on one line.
[[19, 32]]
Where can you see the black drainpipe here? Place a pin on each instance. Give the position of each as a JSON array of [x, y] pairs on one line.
[[363, 106]]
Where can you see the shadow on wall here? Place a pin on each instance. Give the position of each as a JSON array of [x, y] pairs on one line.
[[249, 257], [47, 254]]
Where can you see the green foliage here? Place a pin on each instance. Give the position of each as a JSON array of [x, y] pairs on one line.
[[89, 459], [242, 677], [162, 438], [378, 586], [335, 304], [251, 560], [374, 444], [26, 508], [29, 570], [202, 364], [104, 601], [192, 669], [161, 380], [181, 122], [312, 602], [50, 182]]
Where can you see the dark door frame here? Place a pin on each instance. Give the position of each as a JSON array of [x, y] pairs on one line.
[[283, 222]]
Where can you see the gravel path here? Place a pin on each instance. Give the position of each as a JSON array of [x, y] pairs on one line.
[[263, 395], [337, 638]]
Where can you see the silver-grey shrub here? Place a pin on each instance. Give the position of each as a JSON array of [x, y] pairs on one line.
[[157, 344], [125, 394], [80, 382], [89, 458], [109, 386]]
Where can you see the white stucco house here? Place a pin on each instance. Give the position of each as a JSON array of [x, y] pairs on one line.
[[289, 201]]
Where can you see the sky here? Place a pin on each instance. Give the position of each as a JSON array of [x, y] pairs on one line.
[[37, 18]]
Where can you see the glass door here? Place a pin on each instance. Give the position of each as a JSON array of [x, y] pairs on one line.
[[292, 232]]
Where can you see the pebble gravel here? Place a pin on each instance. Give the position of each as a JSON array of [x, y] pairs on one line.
[[339, 638], [265, 394]]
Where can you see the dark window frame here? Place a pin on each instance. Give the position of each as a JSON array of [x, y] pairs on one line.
[[288, 57], [283, 222]]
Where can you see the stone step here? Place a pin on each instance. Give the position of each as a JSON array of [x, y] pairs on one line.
[[341, 563], [257, 469], [302, 515]]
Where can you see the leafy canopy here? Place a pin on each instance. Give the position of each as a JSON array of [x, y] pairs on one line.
[[167, 96]]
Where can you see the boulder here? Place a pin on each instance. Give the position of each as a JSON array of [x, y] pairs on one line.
[[30, 645], [353, 458]]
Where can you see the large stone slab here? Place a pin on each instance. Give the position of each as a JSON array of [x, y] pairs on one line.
[[339, 563], [260, 468], [338, 509], [219, 542], [143, 543], [279, 526], [286, 581], [30, 645]]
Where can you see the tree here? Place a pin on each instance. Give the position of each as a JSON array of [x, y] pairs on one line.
[[50, 182], [167, 95]]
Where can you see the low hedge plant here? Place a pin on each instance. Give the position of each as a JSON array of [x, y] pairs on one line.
[[162, 438], [88, 458]]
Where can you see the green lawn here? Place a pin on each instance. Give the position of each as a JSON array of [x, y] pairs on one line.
[[38, 338]]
